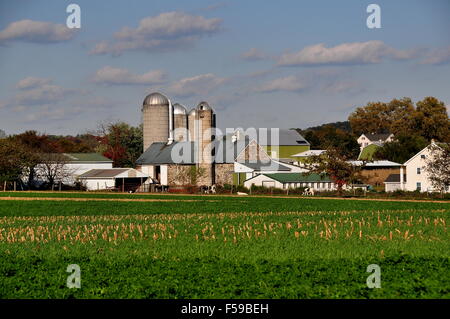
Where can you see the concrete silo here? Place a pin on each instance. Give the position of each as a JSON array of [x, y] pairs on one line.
[[206, 124], [192, 127], [155, 117], [180, 123]]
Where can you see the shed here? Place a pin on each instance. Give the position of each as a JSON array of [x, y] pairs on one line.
[[123, 179]]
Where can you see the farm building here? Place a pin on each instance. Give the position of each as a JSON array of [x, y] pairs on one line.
[[415, 176], [123, 179], [378, 139], [292, 180], [181, 147], [68, 166], [376, 172], [303, 156]]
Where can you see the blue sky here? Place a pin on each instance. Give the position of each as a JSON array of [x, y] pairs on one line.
[[258, 63]]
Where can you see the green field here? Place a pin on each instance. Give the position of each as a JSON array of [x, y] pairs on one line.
[[179, 246]]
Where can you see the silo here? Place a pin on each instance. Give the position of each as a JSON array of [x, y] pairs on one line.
[[192, 117], [155, 117], [180, 123], [206, 119]]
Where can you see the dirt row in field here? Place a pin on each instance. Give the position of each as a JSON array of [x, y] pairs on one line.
[[216, 200], [84, 199]]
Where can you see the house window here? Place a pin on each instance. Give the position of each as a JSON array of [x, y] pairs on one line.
[[418, 170], [418, 186], [422, 156]]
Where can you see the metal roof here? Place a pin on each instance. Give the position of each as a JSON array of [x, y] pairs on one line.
[[376, 164], [161, 153], [281, 137], [263, 166], [179, 109], [156, 99], [87, 157], [309, 153], [103, 173]]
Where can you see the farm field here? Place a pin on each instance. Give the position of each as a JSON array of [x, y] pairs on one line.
[[176, 246]]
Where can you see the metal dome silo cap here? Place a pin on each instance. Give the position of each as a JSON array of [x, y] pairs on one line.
[[179, 109], [204, 106], [156, 99]]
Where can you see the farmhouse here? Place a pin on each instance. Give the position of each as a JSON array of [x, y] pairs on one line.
[[378, 139], [413, 175]]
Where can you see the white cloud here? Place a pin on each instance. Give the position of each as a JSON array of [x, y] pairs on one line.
[[168, 30], [438, 56], [36, 32], [344, 54], [253, 55], [110, 75], [31, 82], [289, 83], [38, 91], [197, 85]]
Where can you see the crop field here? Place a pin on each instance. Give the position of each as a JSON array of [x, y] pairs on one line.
[[176, 246]]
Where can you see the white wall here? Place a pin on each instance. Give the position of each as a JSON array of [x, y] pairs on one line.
[[391, 187], [262, 180], [76, 169], [412, 178], [164, 175], [98, 184]]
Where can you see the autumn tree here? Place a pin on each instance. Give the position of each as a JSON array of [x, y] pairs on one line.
[[431, 119], [327, 136], [428, 119], [15, 159], [121, 142], [401, 149], [335, 165], [438, 166]]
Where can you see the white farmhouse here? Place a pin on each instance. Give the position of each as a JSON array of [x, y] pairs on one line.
[[379, 139], [413, 174]]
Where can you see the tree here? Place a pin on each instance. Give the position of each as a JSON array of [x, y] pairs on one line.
[[15, 158], [438, 166], [122, 143], [428, 119], [327, 136], [431, 119], [401, 149], [372, 118], [336, 165], [53, 168]]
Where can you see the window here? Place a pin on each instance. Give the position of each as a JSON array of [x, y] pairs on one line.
[[422, 156], [418, 186], [418, 170]]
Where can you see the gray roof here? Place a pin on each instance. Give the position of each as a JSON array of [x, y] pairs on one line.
[[280, 137], [377, 137], [269, 166], [161, 153], [102, 172], [394, 178]]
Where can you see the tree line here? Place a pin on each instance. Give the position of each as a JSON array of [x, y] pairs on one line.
[[26, 156]]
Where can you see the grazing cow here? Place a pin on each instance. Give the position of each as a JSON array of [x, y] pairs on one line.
[[308, 192]]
